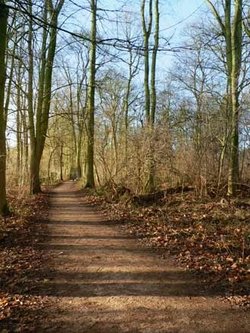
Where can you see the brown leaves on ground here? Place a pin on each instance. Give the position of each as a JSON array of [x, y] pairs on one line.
[[19, 261], [208, 236]]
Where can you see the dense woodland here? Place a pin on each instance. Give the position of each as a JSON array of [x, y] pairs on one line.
[[79, 102]]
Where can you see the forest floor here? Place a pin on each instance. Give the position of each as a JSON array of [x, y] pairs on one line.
[[84, 271]]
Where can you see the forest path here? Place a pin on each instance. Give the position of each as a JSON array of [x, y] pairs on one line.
[[101, 280]]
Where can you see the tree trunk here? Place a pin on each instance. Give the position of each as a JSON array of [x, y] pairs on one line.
[[61, 162], [231, 29], [150, 90], [34, 180], [90, 182], [233, 176], [3, 113], [38, 132], [18, 130], [146, 35]]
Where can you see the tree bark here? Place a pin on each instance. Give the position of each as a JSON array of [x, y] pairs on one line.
[[90, 181], [150, 87], [231, 29], [3, 113], [38, 132], [233, 176], [146, 29]]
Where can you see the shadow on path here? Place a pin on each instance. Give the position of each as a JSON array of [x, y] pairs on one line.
[[100, 280]]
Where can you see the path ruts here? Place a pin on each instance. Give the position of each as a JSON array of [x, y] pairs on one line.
[[101, 280]]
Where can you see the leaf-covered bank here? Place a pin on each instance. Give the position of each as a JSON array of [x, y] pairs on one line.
[[20, 259], [209, 236]]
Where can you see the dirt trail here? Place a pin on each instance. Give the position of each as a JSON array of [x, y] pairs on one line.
[[103, 281]]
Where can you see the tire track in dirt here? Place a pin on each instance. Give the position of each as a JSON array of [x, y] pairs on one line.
[[101, 280]]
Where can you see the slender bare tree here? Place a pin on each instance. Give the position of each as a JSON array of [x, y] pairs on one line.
[[3, 113], [38, 122], [150, 80], [231, 28], [90, 181]]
